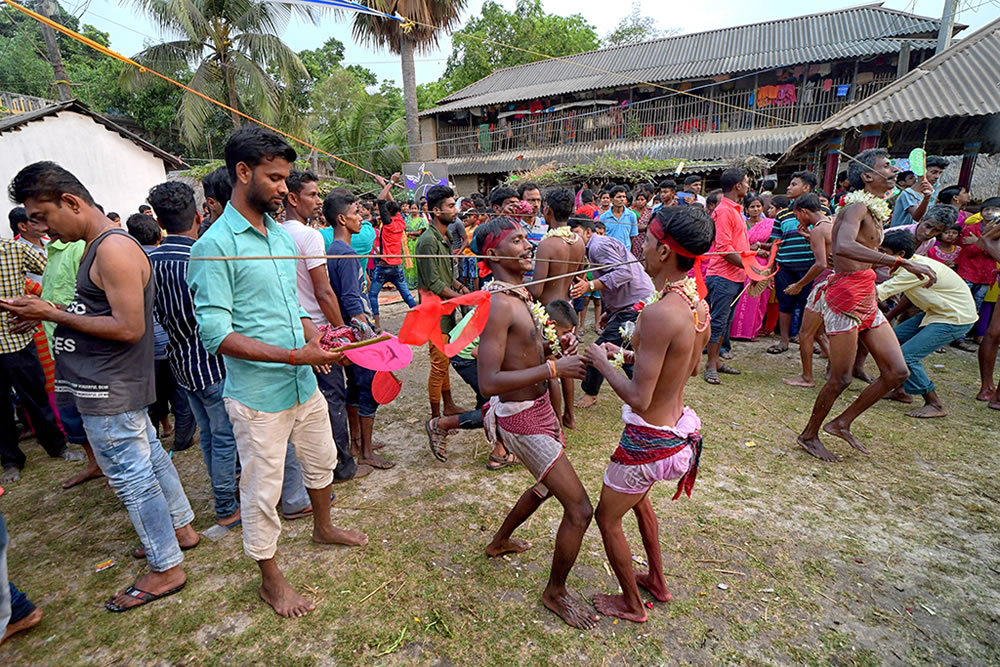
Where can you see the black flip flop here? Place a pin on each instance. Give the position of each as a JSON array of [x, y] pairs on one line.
[[777, 349], [143, 597], [501, 462]]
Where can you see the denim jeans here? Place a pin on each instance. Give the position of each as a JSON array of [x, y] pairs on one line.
[[143, 477], [218, 445], [72, 424], [389, 274], [978, 293], [331, 385], [917, 342], [171, 397], [591, 384], [721, 294], [468, 370], [359, 390], [294, 497], [14, 605]]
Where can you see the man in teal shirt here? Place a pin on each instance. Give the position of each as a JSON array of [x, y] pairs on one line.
[[248, 311]]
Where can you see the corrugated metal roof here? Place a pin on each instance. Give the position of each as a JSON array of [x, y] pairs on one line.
[[713, 147], [16, 121], [962, 81], [855, 32]]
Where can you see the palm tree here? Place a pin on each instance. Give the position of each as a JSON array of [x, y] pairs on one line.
[[231, 45], [404, 39]]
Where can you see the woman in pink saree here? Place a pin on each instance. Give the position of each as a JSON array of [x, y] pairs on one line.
[[750, 311]]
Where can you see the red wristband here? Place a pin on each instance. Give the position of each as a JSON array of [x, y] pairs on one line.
[[898, 263], [291, 357]]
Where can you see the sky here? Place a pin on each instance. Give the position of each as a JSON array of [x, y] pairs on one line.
[[129, 30]]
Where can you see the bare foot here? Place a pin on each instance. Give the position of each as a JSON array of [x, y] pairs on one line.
[[451, 410], [899, 395], [378, 445], [10, 475], [156, 583], [511, 546], [985, 394], [864, 377], [377, 461], [568, 420], [799, 381], [26, 623], [284, 600], [845, 435], [568, 609], [655, 586], [995, 403], [614, 605], [92, 472], [816, 448], [585, 401], [231, 520], [928, 412], [351, 538], [356, 448]]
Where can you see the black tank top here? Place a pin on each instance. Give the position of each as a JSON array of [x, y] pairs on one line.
[[103, 377]]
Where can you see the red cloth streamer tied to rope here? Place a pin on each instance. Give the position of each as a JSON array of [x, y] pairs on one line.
[[757, 272], [423, 323]]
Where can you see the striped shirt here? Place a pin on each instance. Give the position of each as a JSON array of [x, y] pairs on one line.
[[193, 367], [794, 253], [17, 260]]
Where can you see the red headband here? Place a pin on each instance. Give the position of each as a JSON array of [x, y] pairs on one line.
[[660, 234], [494, 239]]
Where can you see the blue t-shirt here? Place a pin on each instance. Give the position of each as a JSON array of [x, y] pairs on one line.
[[623, 228], [906, 199], [345, 279]]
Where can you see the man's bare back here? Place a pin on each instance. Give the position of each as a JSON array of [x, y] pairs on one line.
[[671, 316], [569, 255]]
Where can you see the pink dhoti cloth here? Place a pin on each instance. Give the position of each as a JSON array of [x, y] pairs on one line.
[[648, 454]]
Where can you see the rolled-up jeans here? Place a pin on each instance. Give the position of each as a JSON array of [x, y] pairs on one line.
[[14, 605], [144, 478], [218, 445], [917, 342]]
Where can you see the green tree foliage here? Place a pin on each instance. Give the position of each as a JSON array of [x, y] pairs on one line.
[[528, 27], [636, 27]]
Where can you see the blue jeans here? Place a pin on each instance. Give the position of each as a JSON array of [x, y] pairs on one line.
[[389, 274], [978, 293], [468, 370], [294, 497], [917, 342], [14, 605], [218, 445], [143, 477]]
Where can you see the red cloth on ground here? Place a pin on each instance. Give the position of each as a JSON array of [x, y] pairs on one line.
[[853, 295]]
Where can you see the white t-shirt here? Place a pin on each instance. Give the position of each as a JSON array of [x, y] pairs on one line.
[[309, 242]]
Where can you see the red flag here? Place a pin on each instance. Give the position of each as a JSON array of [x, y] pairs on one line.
[[423, 323], [755, 271]]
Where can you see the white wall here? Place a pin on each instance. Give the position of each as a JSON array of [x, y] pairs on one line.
[[117, 172]]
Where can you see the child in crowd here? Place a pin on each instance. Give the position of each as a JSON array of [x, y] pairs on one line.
[[946, 249]]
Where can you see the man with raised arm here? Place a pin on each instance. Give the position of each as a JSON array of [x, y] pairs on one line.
[[561, 252], [248, 311], [661, 439], [850, 305], [513, 370]]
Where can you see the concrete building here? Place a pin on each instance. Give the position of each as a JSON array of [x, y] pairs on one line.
[[116, 166]]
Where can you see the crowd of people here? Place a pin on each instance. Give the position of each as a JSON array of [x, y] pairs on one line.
[[107, 329]]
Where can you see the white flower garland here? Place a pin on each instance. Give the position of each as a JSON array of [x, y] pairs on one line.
[[559, 232], [877, 206], [547, 326]]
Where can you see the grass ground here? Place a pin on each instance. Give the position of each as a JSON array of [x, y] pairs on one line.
[[888, 558]]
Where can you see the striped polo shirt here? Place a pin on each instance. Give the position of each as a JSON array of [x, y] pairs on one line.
[[794, 253]]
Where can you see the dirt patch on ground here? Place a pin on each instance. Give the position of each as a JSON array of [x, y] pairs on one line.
[[887, 558]]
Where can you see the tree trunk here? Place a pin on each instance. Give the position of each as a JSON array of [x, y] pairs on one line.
[[410, 99], [234, 101]]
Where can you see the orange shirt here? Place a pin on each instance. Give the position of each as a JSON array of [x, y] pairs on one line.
[[730, 236]]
